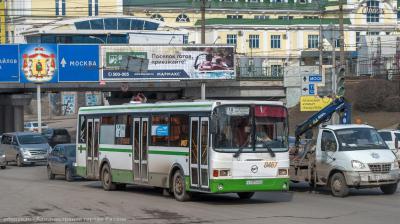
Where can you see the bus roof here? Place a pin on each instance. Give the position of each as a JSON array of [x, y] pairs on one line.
[[197, 106]]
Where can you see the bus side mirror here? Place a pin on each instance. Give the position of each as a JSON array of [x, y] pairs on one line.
[[213, 124]]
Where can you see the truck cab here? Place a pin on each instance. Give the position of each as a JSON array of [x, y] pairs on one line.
[[351, 156]]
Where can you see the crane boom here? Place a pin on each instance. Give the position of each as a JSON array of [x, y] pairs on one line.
[[338, 105]]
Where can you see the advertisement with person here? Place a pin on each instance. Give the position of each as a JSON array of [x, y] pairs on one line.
[[167, 62]]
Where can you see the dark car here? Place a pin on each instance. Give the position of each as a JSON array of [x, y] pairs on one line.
[[60, 161], [57, 136]]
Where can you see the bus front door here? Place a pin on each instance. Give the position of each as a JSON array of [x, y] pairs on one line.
[[199, 159], [92, 146], [140, 150]]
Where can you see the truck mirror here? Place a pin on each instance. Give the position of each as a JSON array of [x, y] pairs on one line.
[[396, 143]]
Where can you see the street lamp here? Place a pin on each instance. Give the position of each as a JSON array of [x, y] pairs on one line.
[[97, 38]]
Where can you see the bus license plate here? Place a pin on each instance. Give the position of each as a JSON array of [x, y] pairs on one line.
[[254, 182]]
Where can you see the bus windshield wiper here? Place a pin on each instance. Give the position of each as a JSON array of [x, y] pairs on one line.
[[238, 152], [271, 152]]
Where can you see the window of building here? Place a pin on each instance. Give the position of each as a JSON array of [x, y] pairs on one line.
[[310, 17], [275, 41], [90, 8], [63, 9], [157, 17], [302, 1], [123, 128], [179, 136], [313, 41], [160, 130], [254, 41], [373, 11], [96, 7], [234, 16], [261, 17], [285, 17], [182, 18], [107, 130], [372, 33], [231, 39], [186, 39], [357, 38], [276, 71], [337, 43]]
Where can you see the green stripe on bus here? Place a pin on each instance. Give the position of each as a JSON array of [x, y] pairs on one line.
[[115, 150], [146, 107], [158, 152]]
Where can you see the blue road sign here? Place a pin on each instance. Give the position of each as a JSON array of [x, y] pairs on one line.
[[9, 69], [311, 89], [78, 63], [315, 78]]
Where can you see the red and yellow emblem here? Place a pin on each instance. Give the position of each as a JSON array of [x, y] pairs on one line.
[[39, 66]]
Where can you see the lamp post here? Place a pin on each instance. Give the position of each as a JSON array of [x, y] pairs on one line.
[[97, 38]]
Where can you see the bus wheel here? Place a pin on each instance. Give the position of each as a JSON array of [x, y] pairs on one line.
[[338, 185], [106, 179], [389, 188], [179, 187], [245, 195]]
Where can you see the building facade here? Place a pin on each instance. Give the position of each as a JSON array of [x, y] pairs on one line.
[[2, 21]]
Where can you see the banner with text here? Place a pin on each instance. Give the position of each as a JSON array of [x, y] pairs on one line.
[[125, 63], [313, 103]]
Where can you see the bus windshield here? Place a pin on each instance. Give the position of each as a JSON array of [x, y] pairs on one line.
[[251, 128]]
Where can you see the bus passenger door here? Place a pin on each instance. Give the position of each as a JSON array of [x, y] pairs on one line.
[[140, 149], [92, 146], [199, 159]]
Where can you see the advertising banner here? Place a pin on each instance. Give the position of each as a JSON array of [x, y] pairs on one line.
[[313, 103], [38, 63], [125, 63]]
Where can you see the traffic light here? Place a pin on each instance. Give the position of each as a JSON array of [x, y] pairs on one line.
[[340, 82]]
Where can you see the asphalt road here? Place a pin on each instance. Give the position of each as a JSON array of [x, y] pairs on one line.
[[26, 196]]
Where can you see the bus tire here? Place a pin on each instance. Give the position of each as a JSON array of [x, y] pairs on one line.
[[106, 179], [338, 185], [245, 195], [179, 187], [389, 188]]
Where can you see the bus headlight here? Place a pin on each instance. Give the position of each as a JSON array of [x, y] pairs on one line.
[[282, 172], [224, 173]]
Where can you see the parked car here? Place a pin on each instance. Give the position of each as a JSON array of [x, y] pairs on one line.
[[2, 159], [57, 136], [61, 160], [24, 147], [33, 126], [392, 139]]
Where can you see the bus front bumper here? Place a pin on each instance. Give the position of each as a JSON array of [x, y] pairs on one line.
[[248, 185]]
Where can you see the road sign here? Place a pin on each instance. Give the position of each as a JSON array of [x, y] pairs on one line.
[[78, 63], [313, 103], [308, 89], [315, 78], [311, 89], [9, 69]]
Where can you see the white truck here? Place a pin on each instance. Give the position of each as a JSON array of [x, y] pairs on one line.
[[343, 156]]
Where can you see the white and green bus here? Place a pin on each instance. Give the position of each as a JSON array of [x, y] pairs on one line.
[[185, 147]]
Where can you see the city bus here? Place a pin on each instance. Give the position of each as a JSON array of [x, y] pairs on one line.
[[186, 147]]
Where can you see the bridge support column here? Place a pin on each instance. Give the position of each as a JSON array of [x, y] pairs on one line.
[[12, 111]]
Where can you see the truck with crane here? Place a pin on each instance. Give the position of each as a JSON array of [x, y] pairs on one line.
[[342, 156]]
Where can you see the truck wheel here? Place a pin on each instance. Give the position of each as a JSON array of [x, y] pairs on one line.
[[245, 195], [179, 187], [338, 185], [68, 174], [389, 188], [50, 174], [20, 163], [106, 179]]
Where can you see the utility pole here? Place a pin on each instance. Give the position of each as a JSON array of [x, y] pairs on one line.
[[341, 34], [203, 41], [203, 21], [333, 41], [321, 43]]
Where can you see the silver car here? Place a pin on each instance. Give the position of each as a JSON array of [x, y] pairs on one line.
[[2, 159], [24, 148]]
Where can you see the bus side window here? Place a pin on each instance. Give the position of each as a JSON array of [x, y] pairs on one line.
[[107, 130], [179, 136], [159, 130], [82, 129], [123, 130]]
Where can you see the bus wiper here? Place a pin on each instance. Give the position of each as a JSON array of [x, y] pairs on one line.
[[271, 152], [237, 153]]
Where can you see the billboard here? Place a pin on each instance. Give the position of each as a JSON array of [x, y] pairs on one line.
[[9, 69], [128, 63]]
